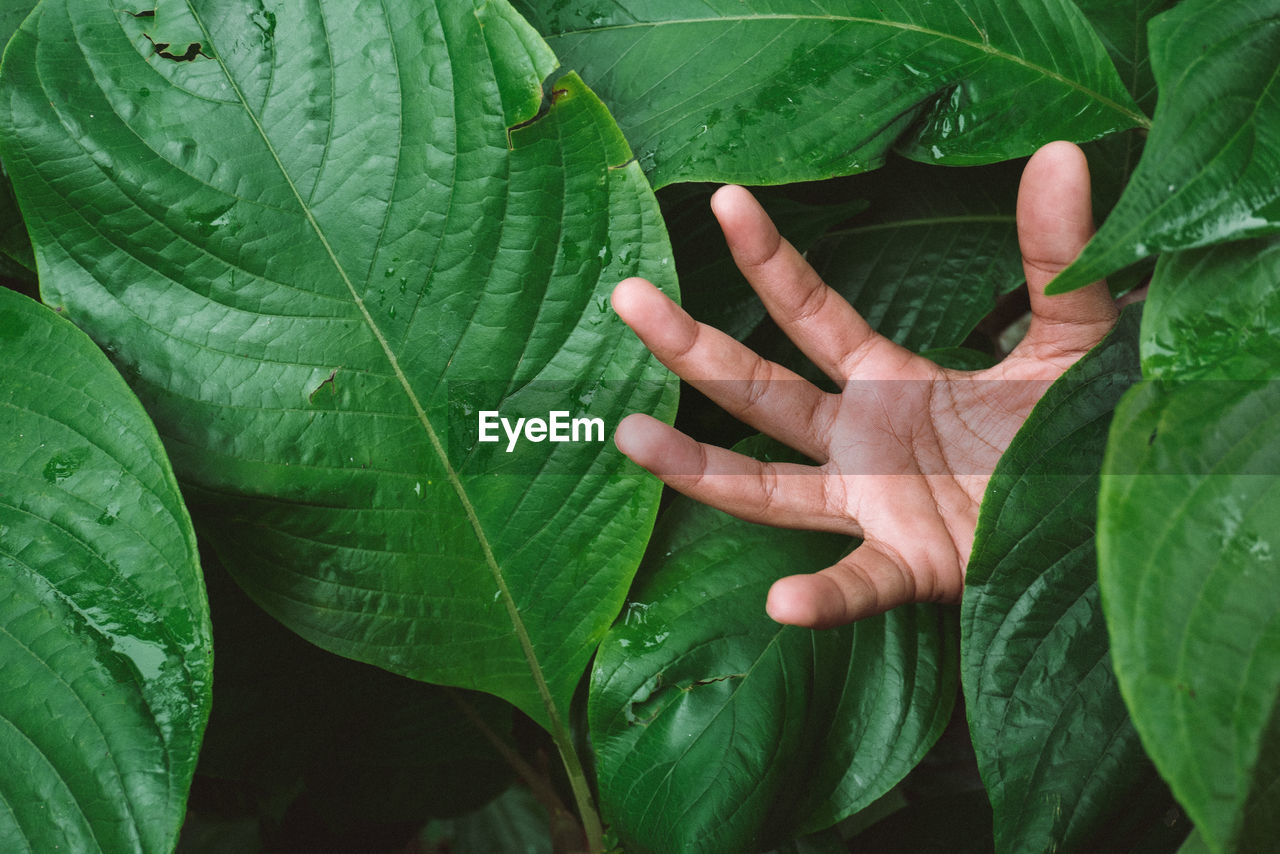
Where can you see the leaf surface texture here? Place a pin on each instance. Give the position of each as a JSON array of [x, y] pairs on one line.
[[297, 243], [105, 646]]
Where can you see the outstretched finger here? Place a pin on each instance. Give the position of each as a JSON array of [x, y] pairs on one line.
[[763, 394], [864, 583], [816, 318], [785, 495], [1055, 221]]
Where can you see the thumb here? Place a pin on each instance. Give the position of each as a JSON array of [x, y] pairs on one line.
[[1055, 221]]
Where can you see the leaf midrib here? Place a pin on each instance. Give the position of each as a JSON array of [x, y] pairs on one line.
[[984, 46], [420, 413]]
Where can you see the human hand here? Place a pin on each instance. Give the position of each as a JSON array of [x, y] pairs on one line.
[[906, 449]]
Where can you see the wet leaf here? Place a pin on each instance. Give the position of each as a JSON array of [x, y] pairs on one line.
[[717, 729], [1189, 508], [1207, 173], [105, 650], [298, 245], [760, 92], [1060, 758], [1215, 312]]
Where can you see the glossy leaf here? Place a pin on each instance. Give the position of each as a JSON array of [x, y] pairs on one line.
[[716, 729], [1207, 173], [299, 243], [1215, 312], [1189, 509], [771, 91], [1122, 27], [1191, 589], [1060, 758], [105, 649]]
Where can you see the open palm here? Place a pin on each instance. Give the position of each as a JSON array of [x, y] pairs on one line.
[[906, 448]]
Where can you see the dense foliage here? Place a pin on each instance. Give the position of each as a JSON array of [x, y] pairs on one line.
[[312, 241]]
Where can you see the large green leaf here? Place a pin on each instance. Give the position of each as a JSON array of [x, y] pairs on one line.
[[1207, 174], [298, 244], [1189, 509], [717, 729], [1060, 758], [105, 648], [1190, 506], [772, 91], [1215, 312]]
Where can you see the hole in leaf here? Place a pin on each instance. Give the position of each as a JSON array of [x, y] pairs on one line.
[[189, 53]]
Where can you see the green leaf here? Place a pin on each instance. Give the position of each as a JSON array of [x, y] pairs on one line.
[[772, 91], [1060, 758], [105, 646], [1207, 173], [1190, 579], [717, 729], [1122, 27], [1215, 312], [11, 14], [1188, 510], [175, 32], [713, 290], [298, 245]]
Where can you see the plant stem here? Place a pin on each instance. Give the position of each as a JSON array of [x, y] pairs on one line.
[[537, 783], [581, 790]]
